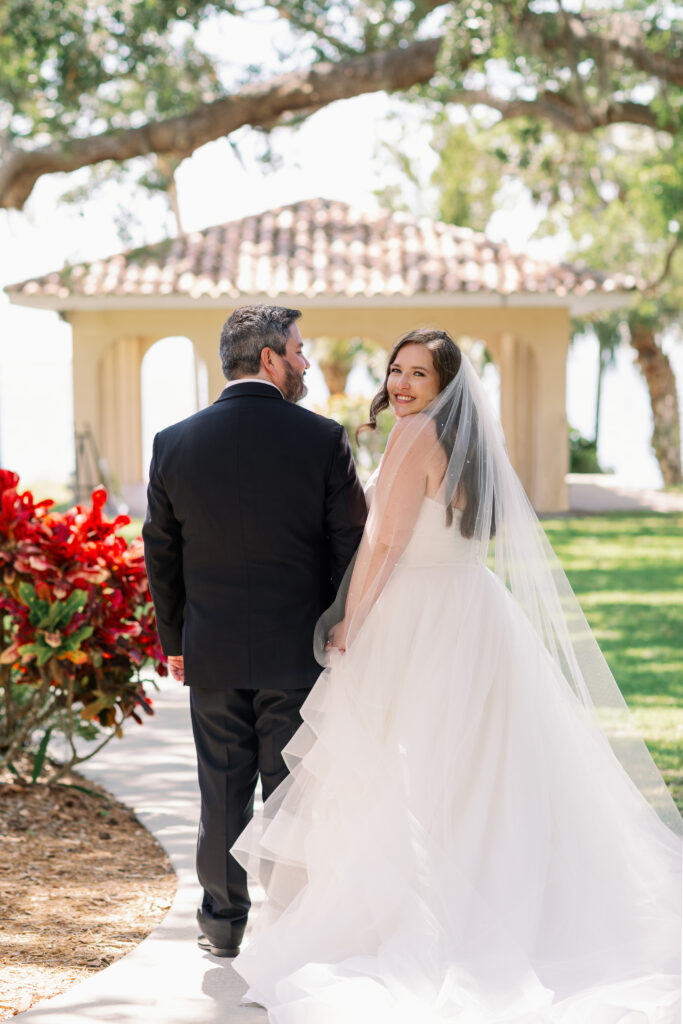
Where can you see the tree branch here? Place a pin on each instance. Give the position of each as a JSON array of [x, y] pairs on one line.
[[666, 270], [6, 686], [270, 103], [624, 39], [565, 113], [573, 51], [31, 715], [77, 759], [256, 105]]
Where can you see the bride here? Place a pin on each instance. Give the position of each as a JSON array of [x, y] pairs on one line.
[[471, 832]]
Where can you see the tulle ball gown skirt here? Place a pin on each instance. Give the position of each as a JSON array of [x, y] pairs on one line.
[[456, 841]]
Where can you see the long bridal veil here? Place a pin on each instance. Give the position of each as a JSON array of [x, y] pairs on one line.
[[459, 435]]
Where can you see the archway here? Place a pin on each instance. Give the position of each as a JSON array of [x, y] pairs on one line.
[[173, 385], [141, 385], [487, 368]]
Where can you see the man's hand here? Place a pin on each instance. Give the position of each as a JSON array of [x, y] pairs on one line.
[[176, 667]]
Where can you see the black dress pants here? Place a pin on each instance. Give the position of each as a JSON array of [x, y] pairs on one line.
[[239, 735]]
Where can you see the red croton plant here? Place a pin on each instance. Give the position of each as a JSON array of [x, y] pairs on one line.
[[76, 626]]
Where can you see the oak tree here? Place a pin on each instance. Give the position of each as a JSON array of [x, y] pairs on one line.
[[85, 84]]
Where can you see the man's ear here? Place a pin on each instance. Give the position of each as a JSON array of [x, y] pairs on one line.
[[267, 361]]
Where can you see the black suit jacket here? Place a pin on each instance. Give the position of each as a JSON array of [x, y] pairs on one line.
[[254, 512]]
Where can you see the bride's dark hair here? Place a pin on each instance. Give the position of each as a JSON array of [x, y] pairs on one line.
[[447, 359]]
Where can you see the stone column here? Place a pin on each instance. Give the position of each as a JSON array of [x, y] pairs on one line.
[[120, 426], [533, 414], [201, 381], [89, 343], [517, 410], [551, 441], [205, 340]]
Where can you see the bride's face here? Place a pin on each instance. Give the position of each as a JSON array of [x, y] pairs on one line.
[[412, 381]]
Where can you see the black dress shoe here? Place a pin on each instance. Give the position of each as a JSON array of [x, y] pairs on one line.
[[207, 945]]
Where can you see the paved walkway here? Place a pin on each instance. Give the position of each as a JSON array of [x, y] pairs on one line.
[[166, 979], [606, 492]]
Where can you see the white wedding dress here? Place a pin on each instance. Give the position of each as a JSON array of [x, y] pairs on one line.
[[456, 841]]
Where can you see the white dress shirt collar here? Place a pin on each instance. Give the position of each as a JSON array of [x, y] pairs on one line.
[[251, 380]]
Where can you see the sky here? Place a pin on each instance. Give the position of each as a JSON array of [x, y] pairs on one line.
[[336, 154]]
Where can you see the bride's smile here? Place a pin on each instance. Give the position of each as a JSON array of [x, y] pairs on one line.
[[412, 381]]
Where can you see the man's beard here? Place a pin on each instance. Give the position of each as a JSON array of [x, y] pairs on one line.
[[294, 388]]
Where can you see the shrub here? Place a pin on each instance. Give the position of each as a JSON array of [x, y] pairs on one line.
[[76, 626], [583, 454]]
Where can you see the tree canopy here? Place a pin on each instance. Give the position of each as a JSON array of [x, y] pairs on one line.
[[83, 83], [617, 199]]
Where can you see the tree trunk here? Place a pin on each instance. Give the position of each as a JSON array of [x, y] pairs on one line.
[[8, 717], [661, 384]]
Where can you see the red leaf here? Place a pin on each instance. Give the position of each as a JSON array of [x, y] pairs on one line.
[[8, 479], [99, 498]]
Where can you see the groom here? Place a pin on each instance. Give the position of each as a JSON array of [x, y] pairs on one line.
[[254, 512]]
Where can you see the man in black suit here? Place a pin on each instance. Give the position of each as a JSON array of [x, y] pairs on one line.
[[254, 513]]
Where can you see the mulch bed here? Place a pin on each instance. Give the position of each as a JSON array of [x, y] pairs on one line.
[[81, 884]]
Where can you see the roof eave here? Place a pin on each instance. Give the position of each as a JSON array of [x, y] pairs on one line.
[[578, 305]]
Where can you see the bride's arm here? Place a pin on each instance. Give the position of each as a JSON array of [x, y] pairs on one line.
[[399, 493]]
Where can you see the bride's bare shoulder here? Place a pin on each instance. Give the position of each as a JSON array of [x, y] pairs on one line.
[[418, 429], [413, 440]]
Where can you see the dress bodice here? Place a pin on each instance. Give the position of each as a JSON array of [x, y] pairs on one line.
[[434, 542]]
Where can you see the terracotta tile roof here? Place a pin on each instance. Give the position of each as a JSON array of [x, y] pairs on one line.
[[319, 248]]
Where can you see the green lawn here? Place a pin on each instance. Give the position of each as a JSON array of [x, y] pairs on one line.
[[627, 571]]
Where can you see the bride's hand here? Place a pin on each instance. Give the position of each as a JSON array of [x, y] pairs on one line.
[[336, 638]]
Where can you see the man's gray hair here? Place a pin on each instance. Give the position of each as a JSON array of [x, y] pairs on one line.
[[247, 332]]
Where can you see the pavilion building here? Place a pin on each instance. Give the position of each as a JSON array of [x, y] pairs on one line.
[[353, 274]]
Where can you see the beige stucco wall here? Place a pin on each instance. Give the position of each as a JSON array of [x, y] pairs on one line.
[[528, 344]]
